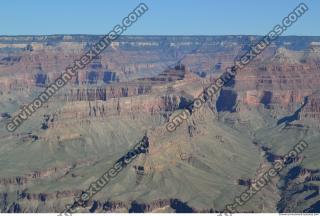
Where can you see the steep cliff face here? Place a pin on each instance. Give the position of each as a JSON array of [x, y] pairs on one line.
[[281, 83]]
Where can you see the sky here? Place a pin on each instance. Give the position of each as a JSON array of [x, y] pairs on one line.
[[164, 17]]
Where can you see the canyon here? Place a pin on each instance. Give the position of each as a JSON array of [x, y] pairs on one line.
[[133, 89]]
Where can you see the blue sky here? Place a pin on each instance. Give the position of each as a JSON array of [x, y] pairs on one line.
[[165, 17]]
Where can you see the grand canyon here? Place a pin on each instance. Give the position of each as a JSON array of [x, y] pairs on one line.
[[131, 91]]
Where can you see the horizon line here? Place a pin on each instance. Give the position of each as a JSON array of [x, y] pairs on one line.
[[155, 35]]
